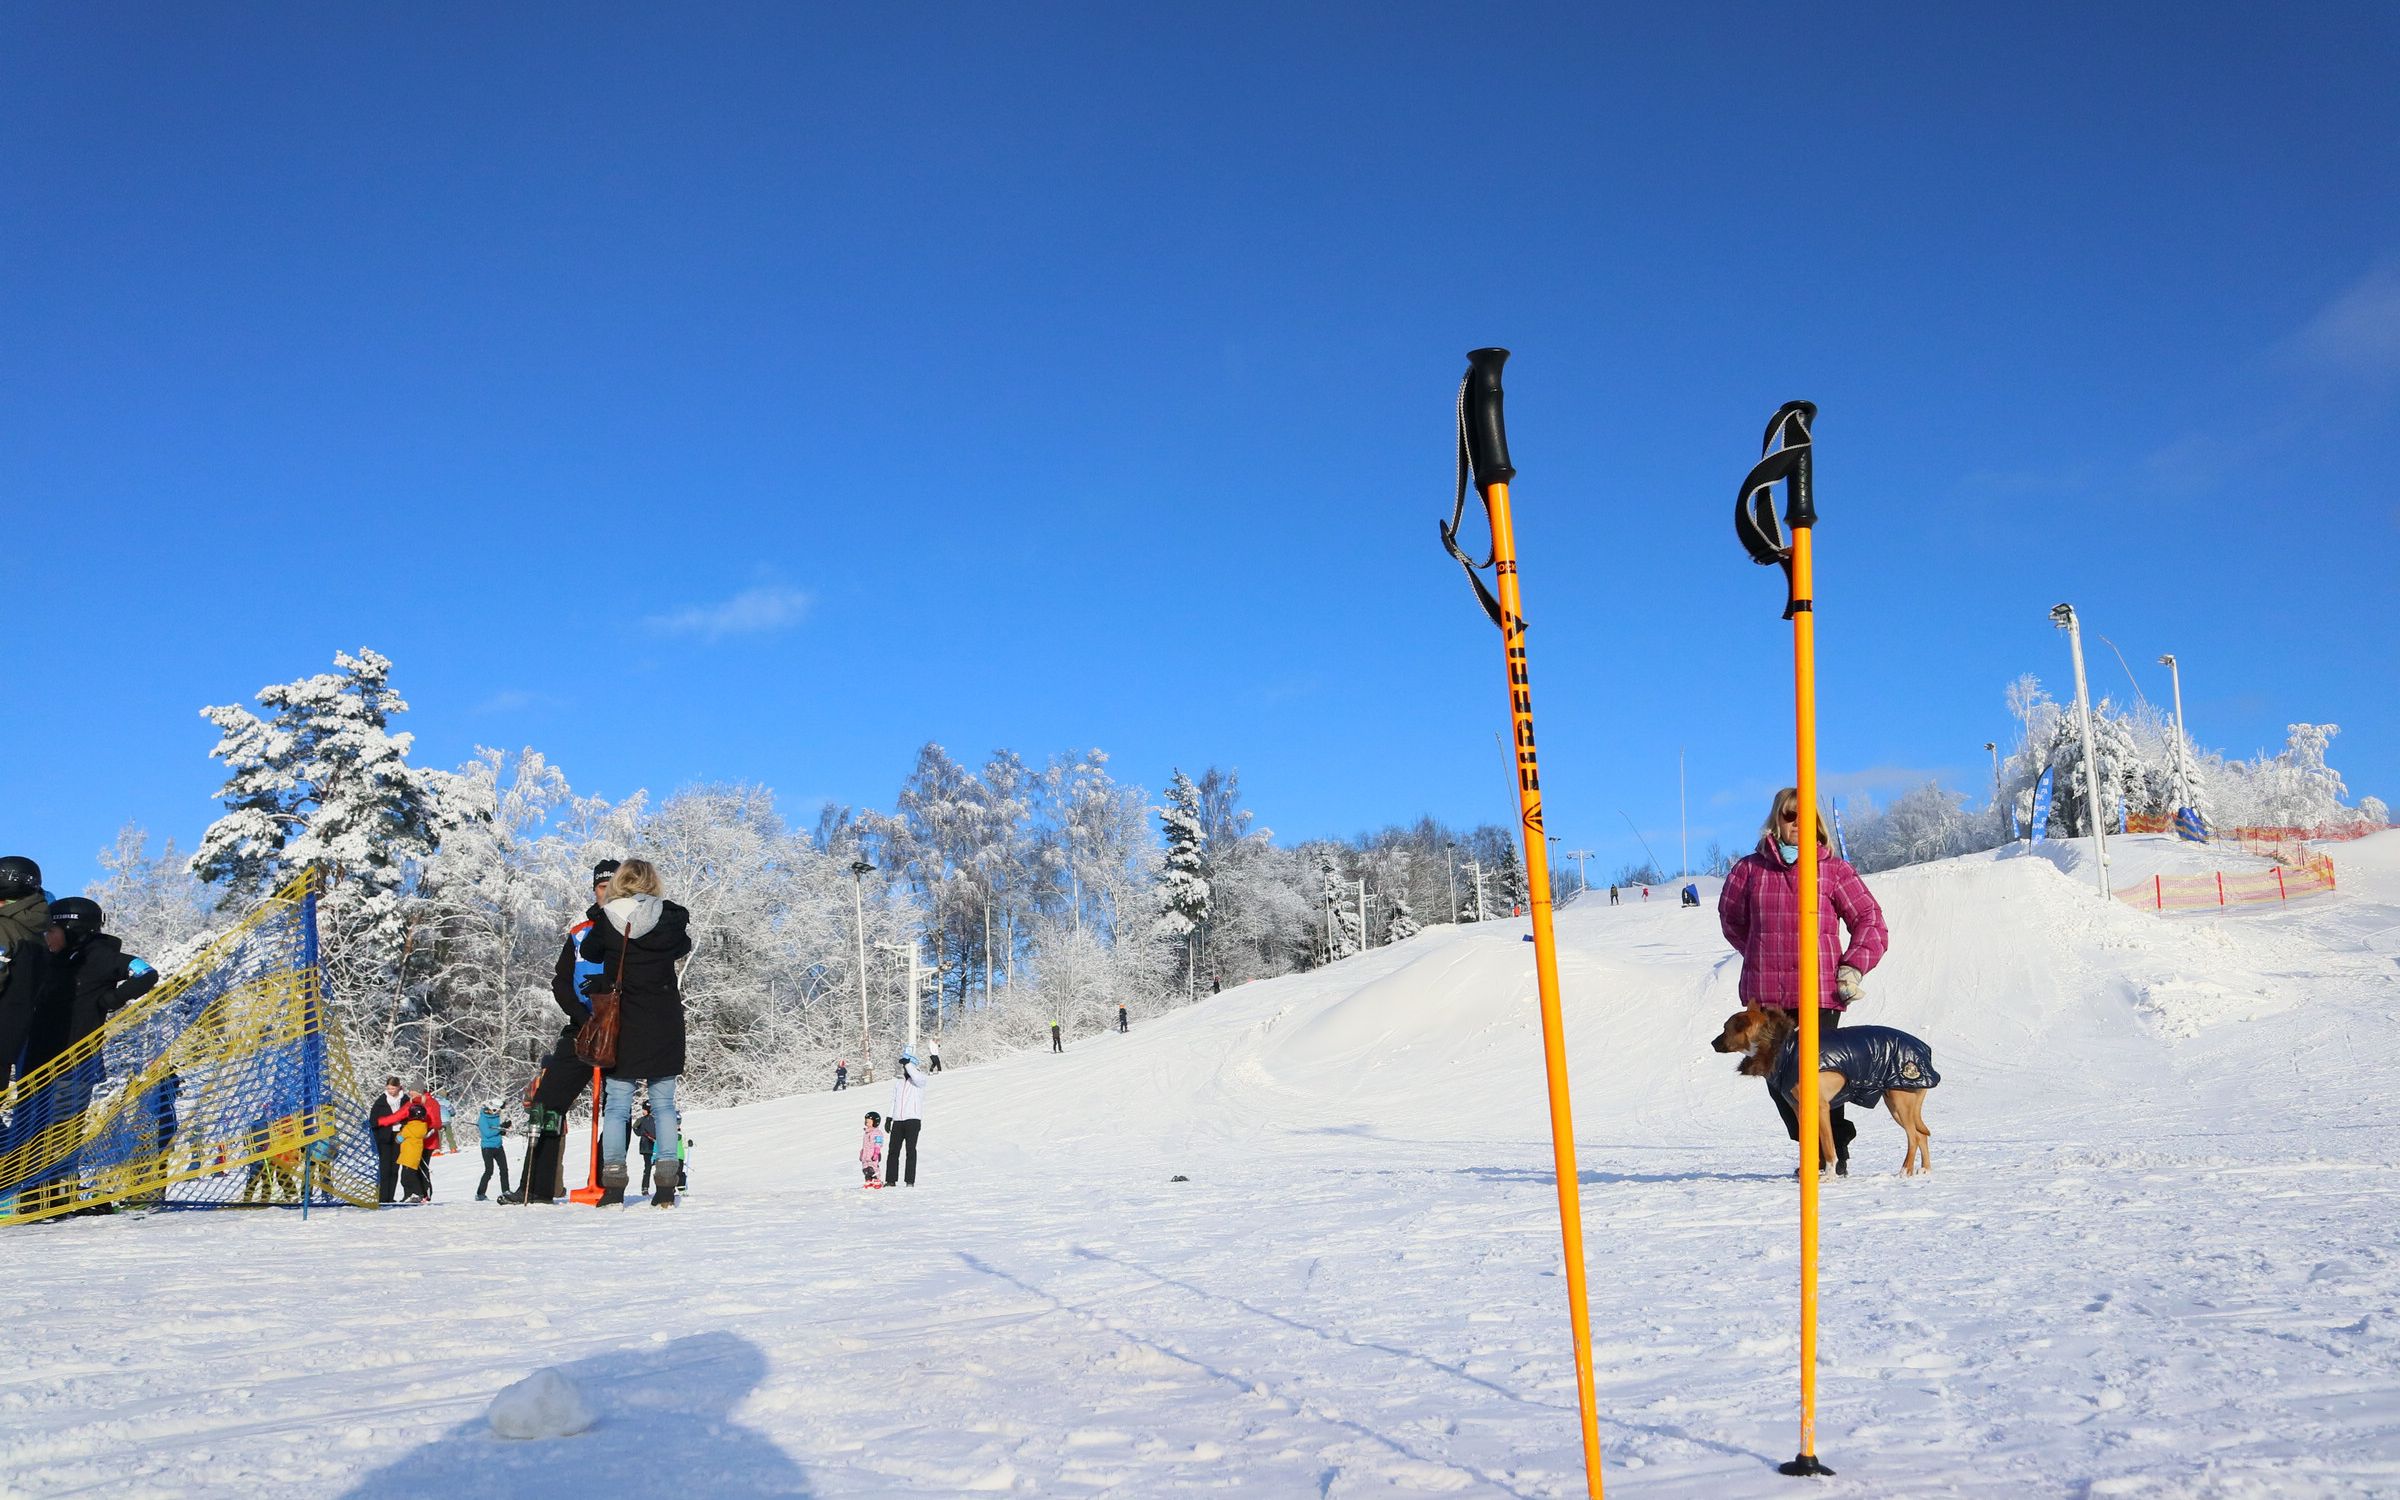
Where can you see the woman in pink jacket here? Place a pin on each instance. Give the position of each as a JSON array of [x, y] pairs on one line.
[[1760, 912]]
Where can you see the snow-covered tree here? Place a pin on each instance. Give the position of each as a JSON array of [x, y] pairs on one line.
[[153, 902], [1183, 881]]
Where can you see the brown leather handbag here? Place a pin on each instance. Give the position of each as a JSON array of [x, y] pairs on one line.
[[596, 1038]]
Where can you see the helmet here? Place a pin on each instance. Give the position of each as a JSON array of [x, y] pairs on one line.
[[908, 1054], [80, 917], [19, 876]]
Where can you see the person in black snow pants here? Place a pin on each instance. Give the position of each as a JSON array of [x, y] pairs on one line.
[[562, 1077], [908, 1118], [841, 1074], [491, 1132], [1123, 1025], [933, 1058], [645, 1133], [1056, 1043], [386, 1112]]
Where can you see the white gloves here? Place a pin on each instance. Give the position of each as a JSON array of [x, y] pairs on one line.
[[1849, 984]]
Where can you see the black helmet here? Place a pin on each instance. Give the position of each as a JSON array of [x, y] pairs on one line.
[[80, 918], [19, 876]]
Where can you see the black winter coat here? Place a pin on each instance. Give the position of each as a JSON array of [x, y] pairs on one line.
[[649, 1006], [81, 989], [23, 958]]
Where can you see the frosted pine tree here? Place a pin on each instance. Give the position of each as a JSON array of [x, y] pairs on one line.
[[1341, 936], [1403, 923], [325, 784], [1182, 881]]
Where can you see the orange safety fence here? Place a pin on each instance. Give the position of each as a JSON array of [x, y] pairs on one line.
[[2149, 823], [2240, 888]]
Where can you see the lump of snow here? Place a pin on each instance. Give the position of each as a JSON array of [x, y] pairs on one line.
[[545, 1404]]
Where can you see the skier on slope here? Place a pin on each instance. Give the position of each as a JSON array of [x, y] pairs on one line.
[[1759, 911], [491, 1133], [908, 1119], [562, 1076]]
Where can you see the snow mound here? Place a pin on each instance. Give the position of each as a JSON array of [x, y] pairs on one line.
[[545, 1404]]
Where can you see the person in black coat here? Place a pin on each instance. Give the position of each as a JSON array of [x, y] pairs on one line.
[[637, 937], [560, 1079], [24, 924], [386, 1113], [88, 978]]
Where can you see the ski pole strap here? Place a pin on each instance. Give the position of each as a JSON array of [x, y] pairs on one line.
[[1754, 510], [1482, 456]]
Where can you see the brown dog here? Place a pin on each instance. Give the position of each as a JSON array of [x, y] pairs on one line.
[[1862, 1065]]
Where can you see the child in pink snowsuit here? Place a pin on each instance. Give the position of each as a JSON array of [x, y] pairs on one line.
[[870, 1150]]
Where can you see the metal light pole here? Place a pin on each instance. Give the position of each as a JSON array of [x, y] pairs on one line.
[[1477, 866], [1579, 856], [1450, 865], [1365, 937], [1994, 747], [859, 870], [2063, 616], [2183, 777]]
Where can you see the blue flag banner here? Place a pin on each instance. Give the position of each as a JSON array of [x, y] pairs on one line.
[[2041, 804], [2188, 826], [1839, 842], [2122, 818]]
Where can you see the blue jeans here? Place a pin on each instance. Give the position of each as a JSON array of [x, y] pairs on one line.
[[616, 1116]]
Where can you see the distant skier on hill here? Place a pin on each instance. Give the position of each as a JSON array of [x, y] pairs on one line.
[[1057, 1044]]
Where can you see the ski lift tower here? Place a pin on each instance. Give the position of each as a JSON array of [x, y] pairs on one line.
[[2063, 616]]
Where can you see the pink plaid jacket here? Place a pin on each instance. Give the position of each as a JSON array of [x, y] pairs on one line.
[[1760, 912]]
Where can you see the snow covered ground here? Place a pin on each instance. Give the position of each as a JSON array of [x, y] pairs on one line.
[[2156, 1256]]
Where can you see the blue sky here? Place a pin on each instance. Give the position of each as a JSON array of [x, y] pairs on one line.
[[755, 393]]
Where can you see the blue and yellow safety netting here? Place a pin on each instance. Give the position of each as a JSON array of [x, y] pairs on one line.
[[226, 1085]]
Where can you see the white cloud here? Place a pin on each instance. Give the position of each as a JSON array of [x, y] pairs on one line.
[[2360, 329], [753, 611]]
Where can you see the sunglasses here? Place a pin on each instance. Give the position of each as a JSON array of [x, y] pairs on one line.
[[1789, 817]]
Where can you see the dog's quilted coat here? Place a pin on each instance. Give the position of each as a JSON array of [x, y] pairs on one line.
[[1871, 1060]]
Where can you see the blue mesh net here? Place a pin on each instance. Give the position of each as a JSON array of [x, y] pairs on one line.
[[226, 1085]]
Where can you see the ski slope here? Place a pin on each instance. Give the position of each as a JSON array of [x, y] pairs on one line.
[[2155, 1257]]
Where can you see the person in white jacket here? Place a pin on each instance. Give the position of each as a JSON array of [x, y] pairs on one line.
[[908, 1117]]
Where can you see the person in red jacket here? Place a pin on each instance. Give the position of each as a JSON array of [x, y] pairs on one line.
[[1759, 910]]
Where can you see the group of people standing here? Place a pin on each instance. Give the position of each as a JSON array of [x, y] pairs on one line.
[[62, 975]]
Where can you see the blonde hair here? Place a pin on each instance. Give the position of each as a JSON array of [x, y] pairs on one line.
[[635, 877], [1785, 801]]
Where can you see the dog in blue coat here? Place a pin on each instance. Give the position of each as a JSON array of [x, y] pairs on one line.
[[1861, 1065]]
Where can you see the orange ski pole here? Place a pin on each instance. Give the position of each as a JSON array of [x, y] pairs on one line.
[[1483, 449], [1787, 460]]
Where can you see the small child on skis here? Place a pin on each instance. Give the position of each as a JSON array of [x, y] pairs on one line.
[[870, 1150]]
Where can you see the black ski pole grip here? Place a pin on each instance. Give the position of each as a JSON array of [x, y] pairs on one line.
[[1790, 425], [1487, 429]]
